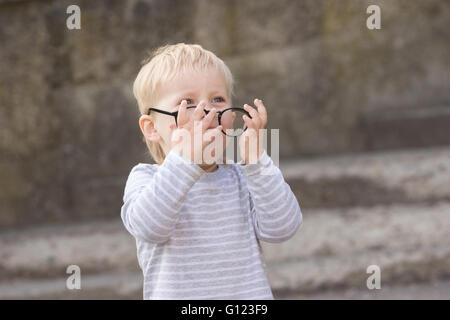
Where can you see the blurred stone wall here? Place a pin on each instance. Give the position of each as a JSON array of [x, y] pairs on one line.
[[68, 121]]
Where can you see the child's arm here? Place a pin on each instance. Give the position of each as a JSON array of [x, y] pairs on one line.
[[275, 211], [153, 196]]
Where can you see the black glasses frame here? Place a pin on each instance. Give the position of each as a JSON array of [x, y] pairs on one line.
[[219, 114]]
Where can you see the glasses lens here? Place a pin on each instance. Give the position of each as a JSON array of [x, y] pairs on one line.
[[232, 122]]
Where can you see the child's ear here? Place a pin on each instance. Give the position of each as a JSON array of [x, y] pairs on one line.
[[148, 128]]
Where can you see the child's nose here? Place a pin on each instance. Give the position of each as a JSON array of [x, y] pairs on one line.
[[207, 105]]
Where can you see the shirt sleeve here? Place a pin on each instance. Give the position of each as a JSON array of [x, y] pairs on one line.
[[154, 195], [274, 209]]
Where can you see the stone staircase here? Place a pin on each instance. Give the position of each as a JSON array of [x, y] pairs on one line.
[[388, 208]]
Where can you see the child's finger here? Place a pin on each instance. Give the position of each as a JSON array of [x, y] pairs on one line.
[[211, 135], [207, 139], [254, 114], [176, 136], [249, 123], [262, 111], [206, 122], [198, 112], [246, 147], [218, 131], [182, 114]]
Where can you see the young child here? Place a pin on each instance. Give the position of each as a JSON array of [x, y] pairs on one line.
[[197, 225]]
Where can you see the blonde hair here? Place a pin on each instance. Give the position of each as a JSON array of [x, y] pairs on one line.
[[162, 65]]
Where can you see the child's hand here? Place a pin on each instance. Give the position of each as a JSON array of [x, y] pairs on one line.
[[250, 137], [183, 135]]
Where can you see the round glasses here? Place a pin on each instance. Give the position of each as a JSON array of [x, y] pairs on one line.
[[230, 118]]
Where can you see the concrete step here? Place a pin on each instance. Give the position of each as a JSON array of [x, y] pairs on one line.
[[387, 177], [433, 290], [417, 127], [109, 285], [128, 286], [46, 252], [331, 250]]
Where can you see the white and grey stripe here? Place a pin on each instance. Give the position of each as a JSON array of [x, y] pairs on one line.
[[196, 232]]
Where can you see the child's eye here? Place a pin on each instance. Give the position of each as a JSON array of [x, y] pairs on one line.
[[188, 101], [218, 99]]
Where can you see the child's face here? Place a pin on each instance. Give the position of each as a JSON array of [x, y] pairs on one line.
[[207, 85]]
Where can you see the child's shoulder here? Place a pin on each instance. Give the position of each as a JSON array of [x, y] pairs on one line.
[[144, 168]]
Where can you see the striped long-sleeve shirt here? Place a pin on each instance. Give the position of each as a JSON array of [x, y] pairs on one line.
[[196, 231]]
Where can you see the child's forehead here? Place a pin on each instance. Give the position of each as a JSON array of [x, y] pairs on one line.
[[192, 81], [198, 74]]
